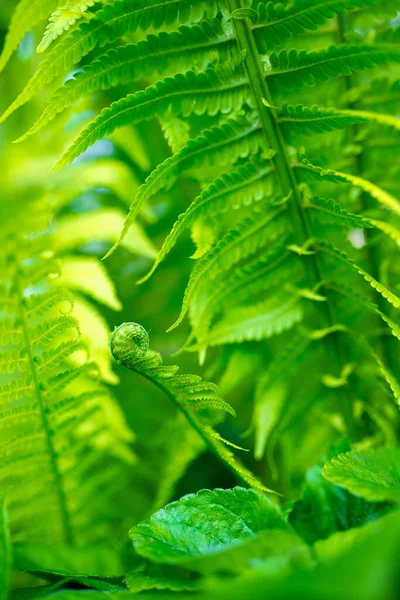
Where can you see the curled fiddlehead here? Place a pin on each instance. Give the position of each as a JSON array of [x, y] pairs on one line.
[[129, 346], [129, 342]]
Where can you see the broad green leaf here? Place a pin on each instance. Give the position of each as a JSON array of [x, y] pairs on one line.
[[373, 474], [324, 508], [194, 531], [366, 569]]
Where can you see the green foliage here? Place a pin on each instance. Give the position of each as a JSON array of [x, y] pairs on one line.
[[130, 347], [372, 475], [210, 530], [324, 509], [50, 400], [5, 550], [237, 158]]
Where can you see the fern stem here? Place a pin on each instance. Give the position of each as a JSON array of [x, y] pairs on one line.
[[191, 420], [68, 537], [301, 226]]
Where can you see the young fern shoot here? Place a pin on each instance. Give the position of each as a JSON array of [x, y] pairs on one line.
[[130, 347]]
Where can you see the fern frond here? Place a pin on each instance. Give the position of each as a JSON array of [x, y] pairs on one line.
[[13, 360], [381, 368], [366, 302], [44, 332], [109, 173], [244, 186], [56, 356], [266, 272], [63, 19], [328, 248], [37, 305], [388, 229], [301, 119], [26, 15], [274, 23], [129, 346], [88, 275], [285, 361], [236, 245], [176, 132], [165, 53], [56, 435], [255, 277], [208, 92], [238, 138], [74, 231], [334, 212], [373, 190], [291, 70], [109, 24], [254, 322]]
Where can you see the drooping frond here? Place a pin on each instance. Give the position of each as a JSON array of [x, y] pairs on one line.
[[239, 243], [373, 190], [238, 138], [291, 70], [333, 212], [26, 15], [268, 272], [328, 248], [74, 231], [50, 400], [62, 19], [274, 23], [208, 92], [255, 322], [301, 119], [109, 24], [108, 172], [366, 302], [162, 54], [130, 347], [88, 275], [244, 186]]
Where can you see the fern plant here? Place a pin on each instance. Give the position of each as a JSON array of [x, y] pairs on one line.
[[231, 77], [58, 419], [129, 346], [268, 131]]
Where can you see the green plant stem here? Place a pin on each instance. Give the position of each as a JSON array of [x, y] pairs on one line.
[[58, 480], [191, 419], [301, 226]]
